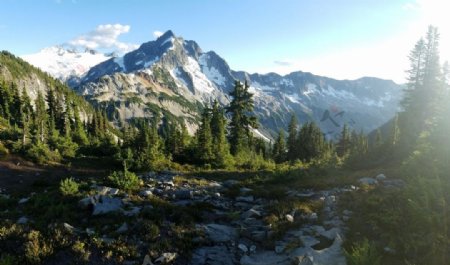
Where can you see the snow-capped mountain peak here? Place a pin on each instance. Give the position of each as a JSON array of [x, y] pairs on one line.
[[65, 62]]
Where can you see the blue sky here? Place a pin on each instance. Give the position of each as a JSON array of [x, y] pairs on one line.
[[341, 39]]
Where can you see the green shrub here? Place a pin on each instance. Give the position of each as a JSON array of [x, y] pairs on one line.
[[41, 154], [3, 150], [6, 259], [68, 186], [125, 180], [37, 248], [363, 253]]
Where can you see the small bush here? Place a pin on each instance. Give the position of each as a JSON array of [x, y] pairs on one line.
[[68, 186], [363, 253], [3, 150], [36, 248], [41, 154], [125, 180]]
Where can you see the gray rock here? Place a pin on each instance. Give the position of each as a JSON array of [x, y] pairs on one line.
[[146, 193], [101, 204], [167, 258], [184, 194], [394, 183], [243, 248], [230, 183], [22, 220], [258, 236], [380, 177], [250, 213], [122, 229], [252, 248], [305, 194], [220, 233], [368, 181], [245, 199], [303, 260], [214, 255], [133, 211], [103, 190], [70, 228], [289, 218], [265, 258], [24, 200], [245, 190], [279, 248]]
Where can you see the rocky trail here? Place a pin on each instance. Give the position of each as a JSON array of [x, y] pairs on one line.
[[235, 228]]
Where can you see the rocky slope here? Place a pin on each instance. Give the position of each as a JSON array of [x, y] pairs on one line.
[[14, 70], [171, 75]]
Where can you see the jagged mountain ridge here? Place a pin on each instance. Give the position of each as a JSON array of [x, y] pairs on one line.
[[173, 76]]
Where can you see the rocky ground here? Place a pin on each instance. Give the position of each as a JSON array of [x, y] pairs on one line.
[[174, 219]]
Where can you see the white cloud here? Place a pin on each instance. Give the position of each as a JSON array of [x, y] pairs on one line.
[[105, 37], [283, 62], [157, 34]]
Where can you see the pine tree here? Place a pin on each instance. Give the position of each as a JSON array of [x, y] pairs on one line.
[[343, 146], [378, 139], [395, 132], [279, 148], [220, 147], [5, 101], [292, 152], [204, 138], [241, 121], [26, 118], [424, 88], [41, 119]]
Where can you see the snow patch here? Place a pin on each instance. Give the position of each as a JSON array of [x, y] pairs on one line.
[[171, 40], [119, 61], [151, 62], [201, 82], [212, 73], [310, 89], [62, 63], [258, 134], [263, 88], [294, 98], [342, 94]]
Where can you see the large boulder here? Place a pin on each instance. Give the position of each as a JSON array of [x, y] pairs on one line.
[[101, 204]]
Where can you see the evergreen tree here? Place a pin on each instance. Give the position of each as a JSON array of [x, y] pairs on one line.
[[204, 138], [395, 132], [40, 119], [378, 139], [292, 152], [343, 146], [424, 88], [220, 147], [241, 121], [78, 131], [26, 118], [279, 148]]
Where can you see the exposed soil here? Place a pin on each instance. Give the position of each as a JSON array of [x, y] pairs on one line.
[[18, 175]]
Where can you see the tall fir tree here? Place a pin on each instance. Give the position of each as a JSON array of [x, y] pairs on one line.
[[279, 148], [242, 121], [204, 138], [220, 147], [292, 150]]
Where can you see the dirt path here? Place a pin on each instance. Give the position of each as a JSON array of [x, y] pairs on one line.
[[18, 175]]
